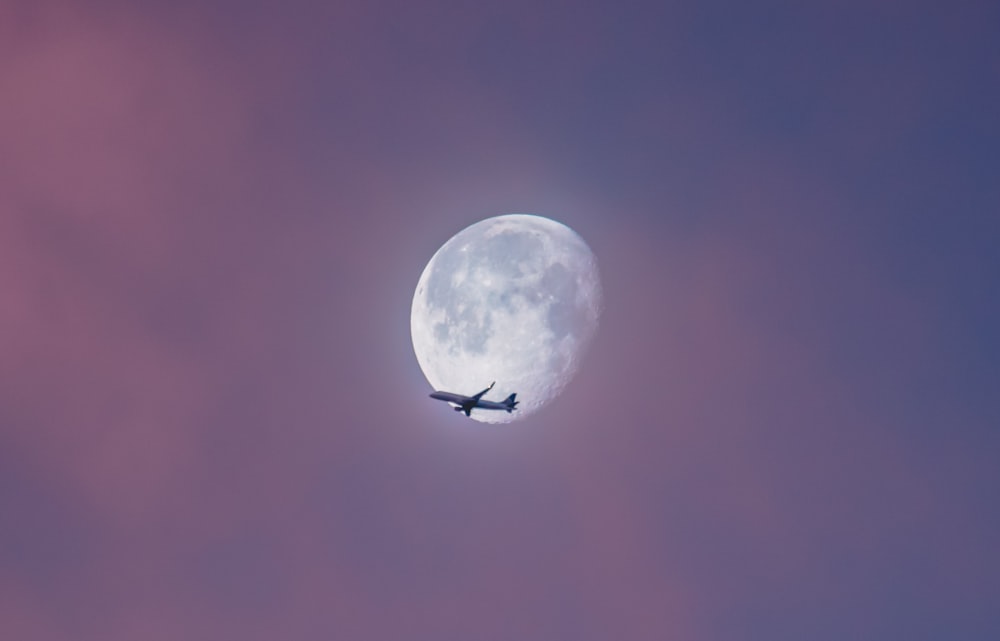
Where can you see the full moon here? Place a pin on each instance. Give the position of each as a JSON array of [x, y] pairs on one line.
[[513, 299]]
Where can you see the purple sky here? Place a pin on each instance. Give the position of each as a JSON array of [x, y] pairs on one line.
[[213, 215]]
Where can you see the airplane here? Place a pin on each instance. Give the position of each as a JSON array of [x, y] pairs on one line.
[[468, 403]]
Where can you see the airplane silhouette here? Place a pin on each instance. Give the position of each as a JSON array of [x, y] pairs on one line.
[[468, 403]]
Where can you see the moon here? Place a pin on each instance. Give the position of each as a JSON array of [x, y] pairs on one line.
[[514, 299]]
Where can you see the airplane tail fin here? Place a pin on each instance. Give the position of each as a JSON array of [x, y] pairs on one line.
[[510, 403]]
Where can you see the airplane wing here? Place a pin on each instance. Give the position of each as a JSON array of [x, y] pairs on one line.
[[480, 394]]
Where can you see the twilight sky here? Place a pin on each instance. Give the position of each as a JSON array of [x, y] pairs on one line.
[[213, 215]]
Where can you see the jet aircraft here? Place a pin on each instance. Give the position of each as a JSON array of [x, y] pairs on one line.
[[468, 403]]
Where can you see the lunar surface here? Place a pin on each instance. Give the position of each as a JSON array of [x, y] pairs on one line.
[[513, 299]]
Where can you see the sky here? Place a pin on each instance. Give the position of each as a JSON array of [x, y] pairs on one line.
[[213, 216]]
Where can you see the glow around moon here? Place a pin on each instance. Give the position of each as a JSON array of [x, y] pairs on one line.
[[515, 299]]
